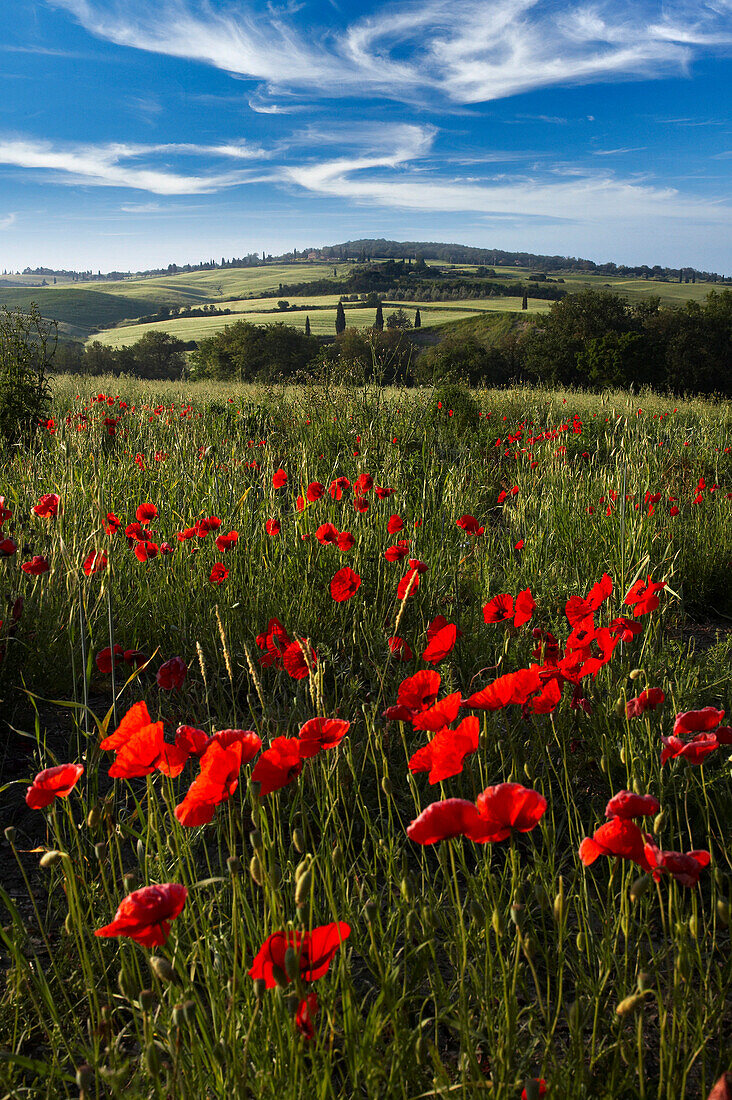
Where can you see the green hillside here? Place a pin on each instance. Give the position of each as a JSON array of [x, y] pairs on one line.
[[83, 309]]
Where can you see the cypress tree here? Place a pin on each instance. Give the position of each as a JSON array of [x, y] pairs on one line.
[[307, 326], [525, 302], [379, 320], [340, 321], [417, 320]]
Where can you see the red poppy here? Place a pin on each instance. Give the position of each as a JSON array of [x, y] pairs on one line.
[[441, 644], [315, 951], [695, 751], [5, 513], [361, 504], [53, 783], [137, 532], [47, 506], [314, 491], [192, 740], [337, 487], [172, 674], [346, 541], [627, 804], [226, 542], [272, 527], [135, 657], [274, 640], [189, 533], [443, 756], [103, 659], [344, 584], [685, 867], [218, 573], [510, 807], [145, 915], [383, 492], [95, 562], [141, 749], [306, 1010], [514, 687], [524, 607], [206, 525], [618, 837], [279, 478], [146, 551], [438, 715], [364, 483], [408, 585], [446, 819], [278, 765], [36, 566], [400, 649], [394, 525], [215, 783], [542, 1088], [470, 525], [647, 700], [7, 548], [417, 693], [499, 609], [321, 733], [697, 721], [327, 534], [642, 596], [145, 513], [398, 552], [295, 661]]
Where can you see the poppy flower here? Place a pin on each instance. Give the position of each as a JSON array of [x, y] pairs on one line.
[[408, 585], [625, 629], [206, 525], [627, 804], [53, 783], [314, 491], [135, 657], [618, 837], [94, 562], [383, 491], [216, 781], [440, 714], [294, 660], [226, 542], [146, 551], [364, 483], [145, 915], [338, 486], [642, 596], [346, 541], [443, 756], [398, 552], [218, 573], [5, 513], [470, 525], [279, 478], [321, 733], [192, 740], [695, 751], [514, 687], [272, 527], [7, 548], [184, 536], [139, 751], [685, 867], [315, 950], [145, 513], [172, 673], [441, 644], [394, 525], [524, 607], [400, 648], [278, 765], [361, 504], [697, 721], [446, 819], [36, 566], [47, 507], [344, 584], [327, 534], [419, 692], [542, 1088], [103, 659], [510, 807], [647, 700], [137, 532], [499, 609], [306, 1010]]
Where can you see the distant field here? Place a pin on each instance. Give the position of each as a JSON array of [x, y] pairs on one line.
[[82, 308]]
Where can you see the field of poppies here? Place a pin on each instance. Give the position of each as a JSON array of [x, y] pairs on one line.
[[366, 743]]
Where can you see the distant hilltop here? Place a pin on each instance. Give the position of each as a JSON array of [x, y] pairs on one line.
[[368, 249]]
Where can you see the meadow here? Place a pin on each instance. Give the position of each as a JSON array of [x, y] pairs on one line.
[[390, 746]]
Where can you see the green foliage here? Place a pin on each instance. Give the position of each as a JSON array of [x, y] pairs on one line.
[[27, 343], [455, 405], [246, 352]]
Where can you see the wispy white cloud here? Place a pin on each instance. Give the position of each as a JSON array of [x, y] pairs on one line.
[[617, 152], [7, 220], [460, 51]]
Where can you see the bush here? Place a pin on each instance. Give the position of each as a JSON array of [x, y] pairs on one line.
[[27, 344], [459, 401]]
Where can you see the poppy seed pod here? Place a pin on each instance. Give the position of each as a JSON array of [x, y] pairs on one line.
[[162, 969], [298, 841], [255, 870], [49, 859], [260, 988], [292, 963], [498, 923], [146, 999], [640, 887], [130, 881], [233, 865], [94, 817], [10, 834], [658, 822], [302, 889]]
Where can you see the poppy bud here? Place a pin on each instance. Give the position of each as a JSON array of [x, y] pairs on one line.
[[529, 947], [412, 925], [10, 833], [499, 924], [603, 763], [337, 856], [719, 879], [85, 1078], [275, 875], [255, 839], [303, 886], [152, 1059], [48, 859], [421, 1050], [723, 912], [619, 708], [528, 773], [255, 870], [292, 1000], [94, 817], [100, 850], [630, 1004], [161, 968], [574, 1015], [126, 984], [476, 911], [645, 980], [141, 853], [233, 865], [68, 925], [302, 867], [279, 975], [370, 910], [658, 822], [636, 672], [640, 887], [292, 963], [386, 786], [694, 926], [298, 840], [638, 786], [130, 881], [146, 999], [581, 941], [559, 902], [541, 895], [622, 754], [219, 1052], [260, 988], [178, 1016], [407, 889]]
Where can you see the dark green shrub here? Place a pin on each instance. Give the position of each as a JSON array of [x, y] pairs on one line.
[[27, 344], [458, 400]]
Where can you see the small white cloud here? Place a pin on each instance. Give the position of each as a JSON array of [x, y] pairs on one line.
[[8, 220]]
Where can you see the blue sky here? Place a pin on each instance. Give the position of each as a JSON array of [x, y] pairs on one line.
[[136, 133]]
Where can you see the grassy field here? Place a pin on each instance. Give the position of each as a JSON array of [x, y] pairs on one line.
[[316, 920]]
